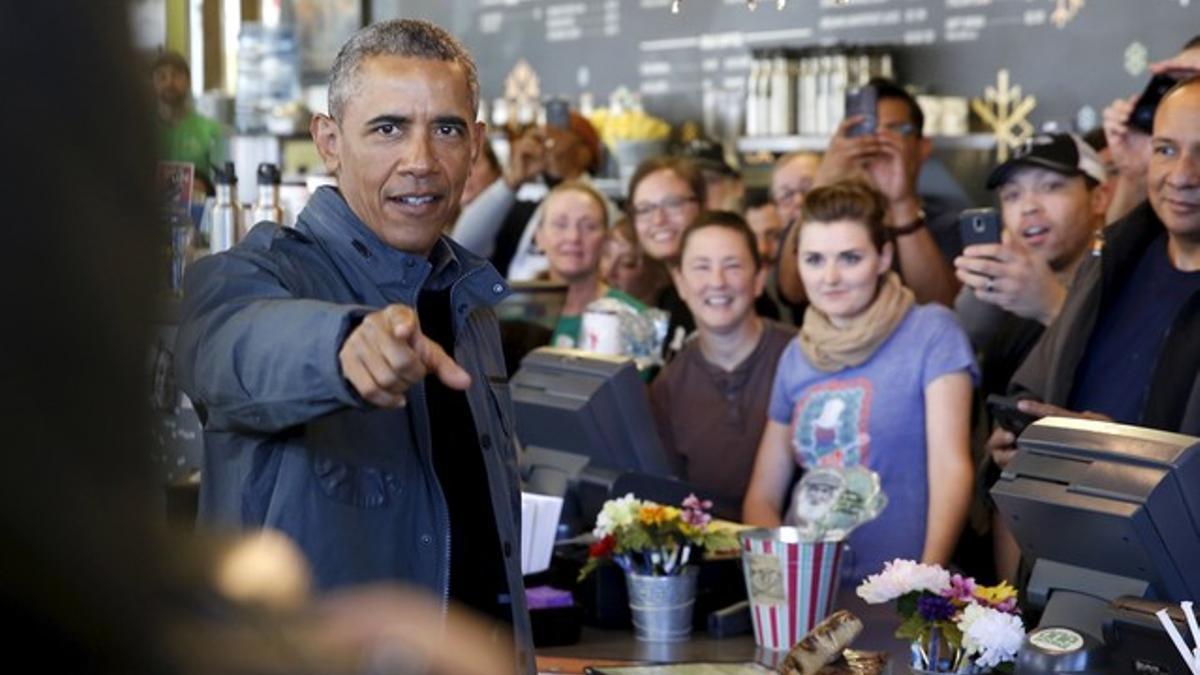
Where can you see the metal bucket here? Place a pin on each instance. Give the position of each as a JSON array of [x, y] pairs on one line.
[[662, 606]]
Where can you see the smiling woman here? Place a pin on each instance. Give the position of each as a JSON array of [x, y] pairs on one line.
[[572, 233]]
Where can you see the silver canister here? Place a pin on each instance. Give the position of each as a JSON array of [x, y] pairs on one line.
[[226, 213]]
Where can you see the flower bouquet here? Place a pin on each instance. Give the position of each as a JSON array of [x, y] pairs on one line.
[[651, 539], [953, 624]]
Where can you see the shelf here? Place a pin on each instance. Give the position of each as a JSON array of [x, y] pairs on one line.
[[984, 142]]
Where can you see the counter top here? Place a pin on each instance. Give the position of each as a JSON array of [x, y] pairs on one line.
[[598, 647]]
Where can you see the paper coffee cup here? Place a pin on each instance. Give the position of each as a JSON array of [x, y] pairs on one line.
[[601, 332]]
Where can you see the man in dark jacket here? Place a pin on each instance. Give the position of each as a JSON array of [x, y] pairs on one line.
[[1125, 344], [349, 372]]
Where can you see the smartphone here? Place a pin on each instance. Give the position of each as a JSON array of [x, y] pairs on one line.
[[1142, 117], [1005, 412], [558, 113], [862, 101], [979, 226]]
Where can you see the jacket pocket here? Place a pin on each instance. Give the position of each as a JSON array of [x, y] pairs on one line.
[[365, 487]]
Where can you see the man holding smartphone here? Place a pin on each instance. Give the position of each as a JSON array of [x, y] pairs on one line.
[[1124, 343], [1052, 203], [889, 156]]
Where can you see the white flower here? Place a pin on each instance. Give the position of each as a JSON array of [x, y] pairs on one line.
[[991, 636], [616, 513], [900, 577]]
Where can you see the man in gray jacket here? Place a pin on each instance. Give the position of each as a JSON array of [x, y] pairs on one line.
[[349, 372]]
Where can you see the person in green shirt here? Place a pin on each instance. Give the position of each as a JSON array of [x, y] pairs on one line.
[[184, 135], [572, 233]]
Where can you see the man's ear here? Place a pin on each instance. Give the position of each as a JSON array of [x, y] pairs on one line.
[[760, 280], [327, 136], [1101, 196], [926, 148], [480, 139]]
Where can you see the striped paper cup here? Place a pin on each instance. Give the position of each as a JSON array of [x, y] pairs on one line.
[[792, 584]]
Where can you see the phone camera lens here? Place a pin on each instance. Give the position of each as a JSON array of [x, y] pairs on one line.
[[978, 225]]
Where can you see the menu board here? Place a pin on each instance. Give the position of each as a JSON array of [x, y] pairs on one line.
[[1075, 56]]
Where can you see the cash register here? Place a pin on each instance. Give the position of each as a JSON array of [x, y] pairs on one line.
[[1109, 516]]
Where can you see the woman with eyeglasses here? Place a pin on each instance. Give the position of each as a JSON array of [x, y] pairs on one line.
[[665, 197], [873, 379], [572, 233]]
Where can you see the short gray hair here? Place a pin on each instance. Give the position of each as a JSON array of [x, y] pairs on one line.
[[410, 38]]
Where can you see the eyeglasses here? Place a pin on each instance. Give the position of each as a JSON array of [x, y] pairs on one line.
[[902, 128], [672, 205], [786, 195]]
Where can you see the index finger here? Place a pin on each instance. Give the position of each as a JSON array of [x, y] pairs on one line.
[[847, 123], [984, 251], [402, 321]]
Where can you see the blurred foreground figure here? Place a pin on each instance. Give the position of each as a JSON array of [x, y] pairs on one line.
[[90, 582]]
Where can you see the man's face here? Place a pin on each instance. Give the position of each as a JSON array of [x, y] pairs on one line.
[[1174, 171], [768, 230], [171, 85], [403, 148], [895, 119], [717, 279], [790, 182], [567, 157], [1053, 214]]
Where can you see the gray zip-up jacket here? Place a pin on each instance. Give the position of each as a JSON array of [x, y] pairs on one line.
[[290, 445]]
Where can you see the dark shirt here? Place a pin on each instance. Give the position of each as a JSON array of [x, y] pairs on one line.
[[710, 420], [1115, 373], [476, 566], [508, 238], [680, 318]]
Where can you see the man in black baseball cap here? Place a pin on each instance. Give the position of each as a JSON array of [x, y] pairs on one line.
[[1052, 199], [1052, 204]]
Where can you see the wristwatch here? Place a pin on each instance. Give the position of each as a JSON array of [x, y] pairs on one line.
[[909, 228]]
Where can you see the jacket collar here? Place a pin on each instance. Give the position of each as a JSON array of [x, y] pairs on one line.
[[1126, 240], [399, 274]]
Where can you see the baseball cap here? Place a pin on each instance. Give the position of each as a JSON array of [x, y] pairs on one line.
[[708, 156], [1067, 154]]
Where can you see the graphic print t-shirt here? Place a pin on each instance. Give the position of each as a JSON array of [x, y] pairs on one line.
[[874, 415]]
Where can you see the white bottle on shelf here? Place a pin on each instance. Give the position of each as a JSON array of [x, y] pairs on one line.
[[752, 100], [839, 76], [808, 95], [782, 98], [824, 125]]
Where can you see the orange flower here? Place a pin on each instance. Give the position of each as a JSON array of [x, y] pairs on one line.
[[656, 514]]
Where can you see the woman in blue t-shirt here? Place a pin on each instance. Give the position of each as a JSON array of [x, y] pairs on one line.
[[872, 379]]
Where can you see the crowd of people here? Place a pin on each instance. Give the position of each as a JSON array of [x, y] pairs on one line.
[[837, 318], [350, 377]]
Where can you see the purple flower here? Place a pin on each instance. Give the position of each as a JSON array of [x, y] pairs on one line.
[[934, 608], [961, 591]]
